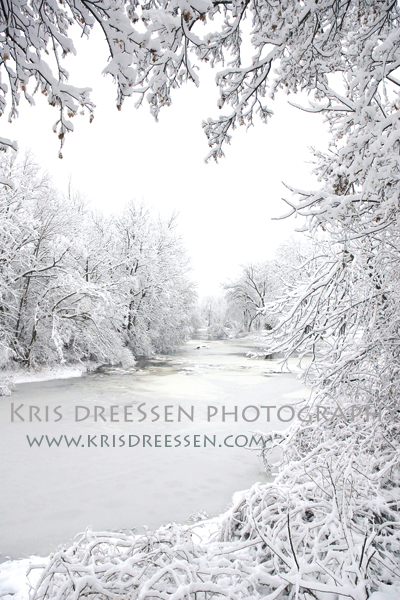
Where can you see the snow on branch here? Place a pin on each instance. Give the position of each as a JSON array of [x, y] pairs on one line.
[[154, 47]]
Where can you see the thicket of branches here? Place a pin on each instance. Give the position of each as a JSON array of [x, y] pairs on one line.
[[78, 286]]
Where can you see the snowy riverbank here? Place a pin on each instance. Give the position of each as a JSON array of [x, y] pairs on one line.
[[9, 378], [169, 561], [18, 577]]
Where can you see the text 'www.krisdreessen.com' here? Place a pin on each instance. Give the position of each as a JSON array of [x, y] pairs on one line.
[[145, 441]]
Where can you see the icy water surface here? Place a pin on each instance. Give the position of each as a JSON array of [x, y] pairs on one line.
[[49, 494]]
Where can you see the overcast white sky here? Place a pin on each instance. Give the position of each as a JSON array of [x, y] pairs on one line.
[[225, 209]]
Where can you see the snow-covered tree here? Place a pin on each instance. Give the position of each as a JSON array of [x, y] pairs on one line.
[[213, 312], [156, 294], [76, 285], [249, 294], [51, 311]]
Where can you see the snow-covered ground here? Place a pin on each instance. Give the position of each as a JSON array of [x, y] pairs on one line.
[[9, 378], [44, 374], [19, 576]]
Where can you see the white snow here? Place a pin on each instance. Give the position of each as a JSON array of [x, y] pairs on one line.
[[18, 576], [46, 374]]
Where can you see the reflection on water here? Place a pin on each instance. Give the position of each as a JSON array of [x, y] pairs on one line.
[[52, 493]]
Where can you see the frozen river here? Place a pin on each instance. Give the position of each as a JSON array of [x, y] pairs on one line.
[[131, 468]]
